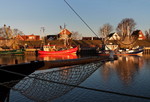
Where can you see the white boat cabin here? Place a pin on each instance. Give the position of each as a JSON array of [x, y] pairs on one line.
[[49, 48], [111, 47]]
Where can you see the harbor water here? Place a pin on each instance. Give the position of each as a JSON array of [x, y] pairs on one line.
[[122, 80]]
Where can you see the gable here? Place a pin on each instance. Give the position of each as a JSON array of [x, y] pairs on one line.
[[141, 36], [28, 37], [114, 36], [65, 31], [20, 37]]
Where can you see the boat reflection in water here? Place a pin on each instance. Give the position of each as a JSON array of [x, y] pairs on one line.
[[126, 67], [57, 57], [8, 59]]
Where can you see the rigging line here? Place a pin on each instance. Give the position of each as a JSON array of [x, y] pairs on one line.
[[82, 87], [80, 18]]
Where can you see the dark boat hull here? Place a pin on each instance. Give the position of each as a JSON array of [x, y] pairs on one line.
[[18, 71], [12, 52]]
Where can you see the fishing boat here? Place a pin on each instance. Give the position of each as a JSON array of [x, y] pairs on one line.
[[134, 51], [125, 45], [51, 49], [12, 52]]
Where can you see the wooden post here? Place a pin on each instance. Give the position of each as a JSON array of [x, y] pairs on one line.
[[16, 61]]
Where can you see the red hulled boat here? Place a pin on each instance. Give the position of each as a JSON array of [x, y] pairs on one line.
[[50, 50]]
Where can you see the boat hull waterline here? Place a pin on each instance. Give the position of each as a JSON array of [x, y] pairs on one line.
[[13, 52], [132, 53], [68, 51]]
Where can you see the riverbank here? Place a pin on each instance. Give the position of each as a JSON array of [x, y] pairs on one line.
[[81, 43]]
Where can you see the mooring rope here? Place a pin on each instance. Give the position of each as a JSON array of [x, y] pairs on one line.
[[81, 18]]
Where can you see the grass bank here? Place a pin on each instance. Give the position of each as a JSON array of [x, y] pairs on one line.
[[82, 43]]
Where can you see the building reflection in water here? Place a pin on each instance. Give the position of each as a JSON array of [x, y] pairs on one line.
[[10, 59], [125, 67]]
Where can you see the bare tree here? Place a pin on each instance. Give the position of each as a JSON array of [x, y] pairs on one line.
[[126, 27], [76, 36], [105, 30], [8, 33], [2, 32], [17, 31], [147, 34]]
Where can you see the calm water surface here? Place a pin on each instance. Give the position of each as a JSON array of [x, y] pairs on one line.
[[83, 83]]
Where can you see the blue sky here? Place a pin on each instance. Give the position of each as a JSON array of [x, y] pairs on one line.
[[30, 15]]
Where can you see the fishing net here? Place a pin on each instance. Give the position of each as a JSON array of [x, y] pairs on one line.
[[48, 85]]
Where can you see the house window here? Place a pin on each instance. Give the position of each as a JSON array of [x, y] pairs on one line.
[[31, 37], [140, 35]]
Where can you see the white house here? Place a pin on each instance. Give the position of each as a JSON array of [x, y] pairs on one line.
[[113, 36]]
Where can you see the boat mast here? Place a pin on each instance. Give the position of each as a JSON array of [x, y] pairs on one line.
[[42, 31]]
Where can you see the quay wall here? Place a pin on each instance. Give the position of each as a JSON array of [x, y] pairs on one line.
[[85, 44], [82, 43], [146, 51]]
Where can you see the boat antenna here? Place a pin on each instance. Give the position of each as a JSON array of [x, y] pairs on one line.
[[80, 18], [43, 30], [64, 26]]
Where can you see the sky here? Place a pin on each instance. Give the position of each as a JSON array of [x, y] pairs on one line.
[[30, 15]]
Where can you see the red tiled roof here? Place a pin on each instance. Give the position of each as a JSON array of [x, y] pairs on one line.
[[1, 38], [20, 37], [65, 31], [26, 37], [141, 35]]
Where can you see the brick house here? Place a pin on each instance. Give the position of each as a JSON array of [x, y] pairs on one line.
[[52, 37], [31, 37], [140, 35], [64, 33], [86, 38], [91, 38]]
